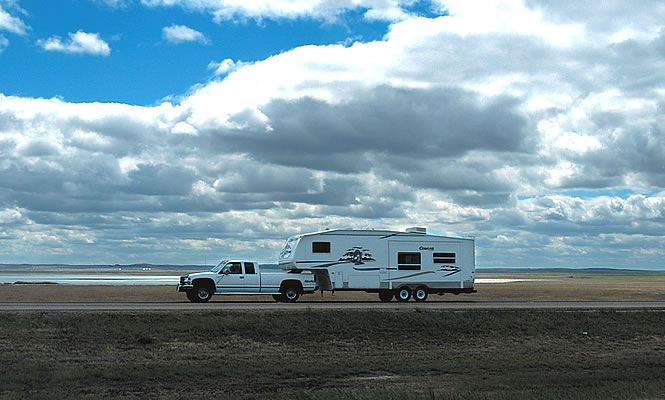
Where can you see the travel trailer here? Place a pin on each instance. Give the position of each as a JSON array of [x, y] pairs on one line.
[[390, 263]]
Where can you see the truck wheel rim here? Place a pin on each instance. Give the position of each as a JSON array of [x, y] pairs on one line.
[[203, 293], [291, 294]]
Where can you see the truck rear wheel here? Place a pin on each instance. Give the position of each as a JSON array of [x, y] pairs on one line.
[[290, 294], [420, 294], [403, 294], [385, 295], [278, 297]]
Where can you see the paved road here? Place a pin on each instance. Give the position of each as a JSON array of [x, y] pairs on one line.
[[328, 305]]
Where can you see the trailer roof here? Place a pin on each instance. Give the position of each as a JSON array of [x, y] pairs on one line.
[[380, 232]]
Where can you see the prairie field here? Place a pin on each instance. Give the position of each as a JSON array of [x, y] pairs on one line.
[[417, 354], [319, 354], [540, 287]]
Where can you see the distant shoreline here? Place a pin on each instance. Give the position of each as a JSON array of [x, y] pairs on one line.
[[144, 267]]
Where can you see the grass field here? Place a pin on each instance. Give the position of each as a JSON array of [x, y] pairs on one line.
[[493, 355], [333, 354], [555, 287]]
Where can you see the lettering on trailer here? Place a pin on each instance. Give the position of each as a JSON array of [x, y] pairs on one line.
[[425, 248]]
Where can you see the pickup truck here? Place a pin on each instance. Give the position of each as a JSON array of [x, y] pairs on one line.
[[239, 277]]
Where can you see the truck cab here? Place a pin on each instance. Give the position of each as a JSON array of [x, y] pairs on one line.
[[240, 277]]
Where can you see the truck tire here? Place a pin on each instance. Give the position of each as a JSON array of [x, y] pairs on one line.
[[403, 294], [385, 295], [420, 294], [202, 293], [290, 294], [191, 296], [278, 297]]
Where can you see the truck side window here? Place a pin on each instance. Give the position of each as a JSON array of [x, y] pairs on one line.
[[320, 247], [408, 261], [235, 268], [249, 268]]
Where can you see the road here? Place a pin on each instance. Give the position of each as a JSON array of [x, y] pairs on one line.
[[328, 305]]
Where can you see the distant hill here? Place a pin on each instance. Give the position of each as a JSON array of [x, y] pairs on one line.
[[590, 271]]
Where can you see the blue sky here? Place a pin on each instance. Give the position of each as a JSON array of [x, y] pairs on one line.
[[143, 67], [179, 131]]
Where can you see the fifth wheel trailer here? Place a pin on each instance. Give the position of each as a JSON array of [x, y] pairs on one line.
[[389, 263]]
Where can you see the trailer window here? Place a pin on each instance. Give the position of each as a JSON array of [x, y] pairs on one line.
[[249, 268], [320, 247], [444, 258], [408, 261]]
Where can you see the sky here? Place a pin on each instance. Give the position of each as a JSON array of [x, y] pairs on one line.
[[186, 131]]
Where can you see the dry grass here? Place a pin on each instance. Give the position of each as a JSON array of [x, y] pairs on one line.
[[369, 355], [555, 288]]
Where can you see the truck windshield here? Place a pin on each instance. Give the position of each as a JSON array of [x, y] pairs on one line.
[[219, 266]]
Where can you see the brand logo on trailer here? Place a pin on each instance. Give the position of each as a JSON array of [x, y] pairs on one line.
[[357, 255]]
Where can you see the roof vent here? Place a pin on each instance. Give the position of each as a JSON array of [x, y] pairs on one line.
[[417, 229]]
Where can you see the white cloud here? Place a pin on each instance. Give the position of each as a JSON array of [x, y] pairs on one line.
[[390, 10], [181, 34], [11, 23], [447, 122], [78, 43], [114, 3], [226, 66]]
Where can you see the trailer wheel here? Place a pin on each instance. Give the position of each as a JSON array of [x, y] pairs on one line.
[[290, 294], [278, 297], [385, 295], [403, 294], [202, 293], [420, 294]]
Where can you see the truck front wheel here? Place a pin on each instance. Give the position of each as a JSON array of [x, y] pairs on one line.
[[191, 296], [202, 293], [291, 294]]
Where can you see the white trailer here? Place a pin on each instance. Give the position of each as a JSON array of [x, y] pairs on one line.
[[389, 263]]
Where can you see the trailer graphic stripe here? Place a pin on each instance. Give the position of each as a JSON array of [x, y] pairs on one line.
[[412, 275]]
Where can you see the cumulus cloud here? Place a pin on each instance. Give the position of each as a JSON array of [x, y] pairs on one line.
[[515, 125], [389, 10], [181, 34], [114, 3], [10, 23], [78, 43]]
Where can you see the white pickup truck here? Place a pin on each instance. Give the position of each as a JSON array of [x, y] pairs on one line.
[[239, 277]]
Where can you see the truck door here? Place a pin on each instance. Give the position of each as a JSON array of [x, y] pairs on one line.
[[252, 278], [231, 278]]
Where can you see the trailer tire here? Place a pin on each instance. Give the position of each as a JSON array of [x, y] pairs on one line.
[[420, 294], [403, 294], [290, 294], [385, 295], [278, 297], [202, 293]]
